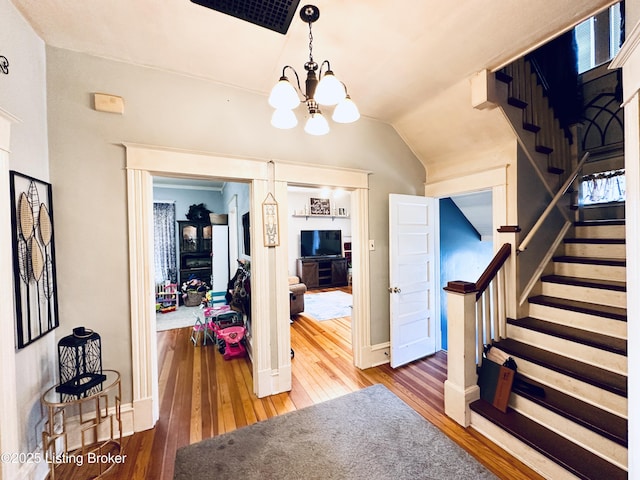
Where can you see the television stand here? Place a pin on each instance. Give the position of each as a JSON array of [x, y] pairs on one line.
[[322, 272]]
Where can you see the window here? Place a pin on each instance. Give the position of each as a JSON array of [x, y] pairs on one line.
[[598, 38], [604, 187]]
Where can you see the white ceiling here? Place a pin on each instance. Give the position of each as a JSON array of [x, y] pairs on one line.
[[477, 208], [394, 56]]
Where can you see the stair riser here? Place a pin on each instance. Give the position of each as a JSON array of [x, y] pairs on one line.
[[519, 449], [595, 250], [591, 323], [588, 439], [601, 231], [600, 296], [597, 272], [604, 399], [590, 355]]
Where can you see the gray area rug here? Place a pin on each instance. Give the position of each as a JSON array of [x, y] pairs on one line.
[[370, 434], [328, 305], [180, 318]]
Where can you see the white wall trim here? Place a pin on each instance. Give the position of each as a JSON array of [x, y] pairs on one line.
[[474, 181], [361, 291], [629, 60], [142, 292], [9, 439], [270, 305]]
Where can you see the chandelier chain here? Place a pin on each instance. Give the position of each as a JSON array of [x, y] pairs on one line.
[[310, 44]]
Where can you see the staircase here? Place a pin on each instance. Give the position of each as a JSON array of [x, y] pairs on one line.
[[569, 400]]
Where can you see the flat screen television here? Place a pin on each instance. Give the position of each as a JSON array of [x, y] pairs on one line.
[[321, 243]]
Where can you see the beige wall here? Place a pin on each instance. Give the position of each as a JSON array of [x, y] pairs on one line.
[[87, 170]]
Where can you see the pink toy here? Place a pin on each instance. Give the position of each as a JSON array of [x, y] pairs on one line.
[[232, 338]]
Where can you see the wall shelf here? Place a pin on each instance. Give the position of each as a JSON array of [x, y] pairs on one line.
[[307, 215]]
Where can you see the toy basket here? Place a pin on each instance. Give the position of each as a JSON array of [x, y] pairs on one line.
[[193, 298]]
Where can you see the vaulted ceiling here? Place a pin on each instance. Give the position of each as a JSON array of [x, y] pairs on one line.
[[400, 60]]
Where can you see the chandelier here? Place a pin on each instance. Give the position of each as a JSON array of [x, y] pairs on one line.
[[320, 89]]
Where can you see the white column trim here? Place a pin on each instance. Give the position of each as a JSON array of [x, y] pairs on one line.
[[9, 429], [364, 356], [143, 319], [632, 207]]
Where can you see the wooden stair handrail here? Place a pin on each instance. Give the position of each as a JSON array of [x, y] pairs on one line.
[[486, 277], [492, 269]]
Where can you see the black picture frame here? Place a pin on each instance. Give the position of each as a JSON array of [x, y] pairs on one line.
[[320, 206], [34, 266], [246, 231]]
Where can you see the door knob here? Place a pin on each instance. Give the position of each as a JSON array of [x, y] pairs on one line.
[[394, 290]]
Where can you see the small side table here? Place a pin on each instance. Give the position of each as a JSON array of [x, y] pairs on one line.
[[94, 416]]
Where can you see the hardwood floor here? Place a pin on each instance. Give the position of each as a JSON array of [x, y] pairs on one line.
[[203, 395]]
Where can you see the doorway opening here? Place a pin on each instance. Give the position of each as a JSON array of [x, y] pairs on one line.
[[205, 250], [466, 242], [270, 327], [320, 259]]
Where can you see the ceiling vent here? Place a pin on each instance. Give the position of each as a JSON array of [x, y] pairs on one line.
[[275, 15]]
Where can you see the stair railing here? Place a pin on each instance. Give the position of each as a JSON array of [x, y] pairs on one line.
[[538, 116], [527, 239], [476, 315]]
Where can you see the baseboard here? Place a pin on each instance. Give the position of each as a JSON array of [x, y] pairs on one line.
[[143, 419], [272, 382], [375, 355], [73, 426]]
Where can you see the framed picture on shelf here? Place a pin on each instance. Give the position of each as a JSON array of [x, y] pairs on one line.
[[320, 206]]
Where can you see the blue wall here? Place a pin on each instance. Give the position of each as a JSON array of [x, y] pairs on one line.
[[463, 256]]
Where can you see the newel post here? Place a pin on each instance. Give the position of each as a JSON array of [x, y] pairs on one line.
[[511, 234], [460, 388]]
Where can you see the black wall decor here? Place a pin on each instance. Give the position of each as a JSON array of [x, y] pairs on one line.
[[4, 65], [33, 258]]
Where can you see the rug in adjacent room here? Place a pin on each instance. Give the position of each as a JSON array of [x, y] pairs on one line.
[[179, 318], [328, 305], [369, 434]]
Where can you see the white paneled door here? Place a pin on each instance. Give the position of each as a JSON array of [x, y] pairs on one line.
[[411, 278]]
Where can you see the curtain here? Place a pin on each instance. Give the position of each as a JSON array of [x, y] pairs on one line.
[[164, 242], [604, 187]]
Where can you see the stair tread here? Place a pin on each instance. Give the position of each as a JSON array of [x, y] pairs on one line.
[[615, 313], [600, 222], [599, 377], [503, 77], [544, 149], [597, 241], [577, 460], [516, 102], [612, 262], [530, 127], [578, 335], [600, 421], [585, 282]]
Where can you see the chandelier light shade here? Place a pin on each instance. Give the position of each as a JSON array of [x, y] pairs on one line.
[[284, 118], [320, 89], [283, 95], [346, 111]]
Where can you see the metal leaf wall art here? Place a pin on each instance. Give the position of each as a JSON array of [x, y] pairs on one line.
[[33, 259]]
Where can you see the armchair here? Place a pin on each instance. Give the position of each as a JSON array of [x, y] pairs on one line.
[[296, 295]]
